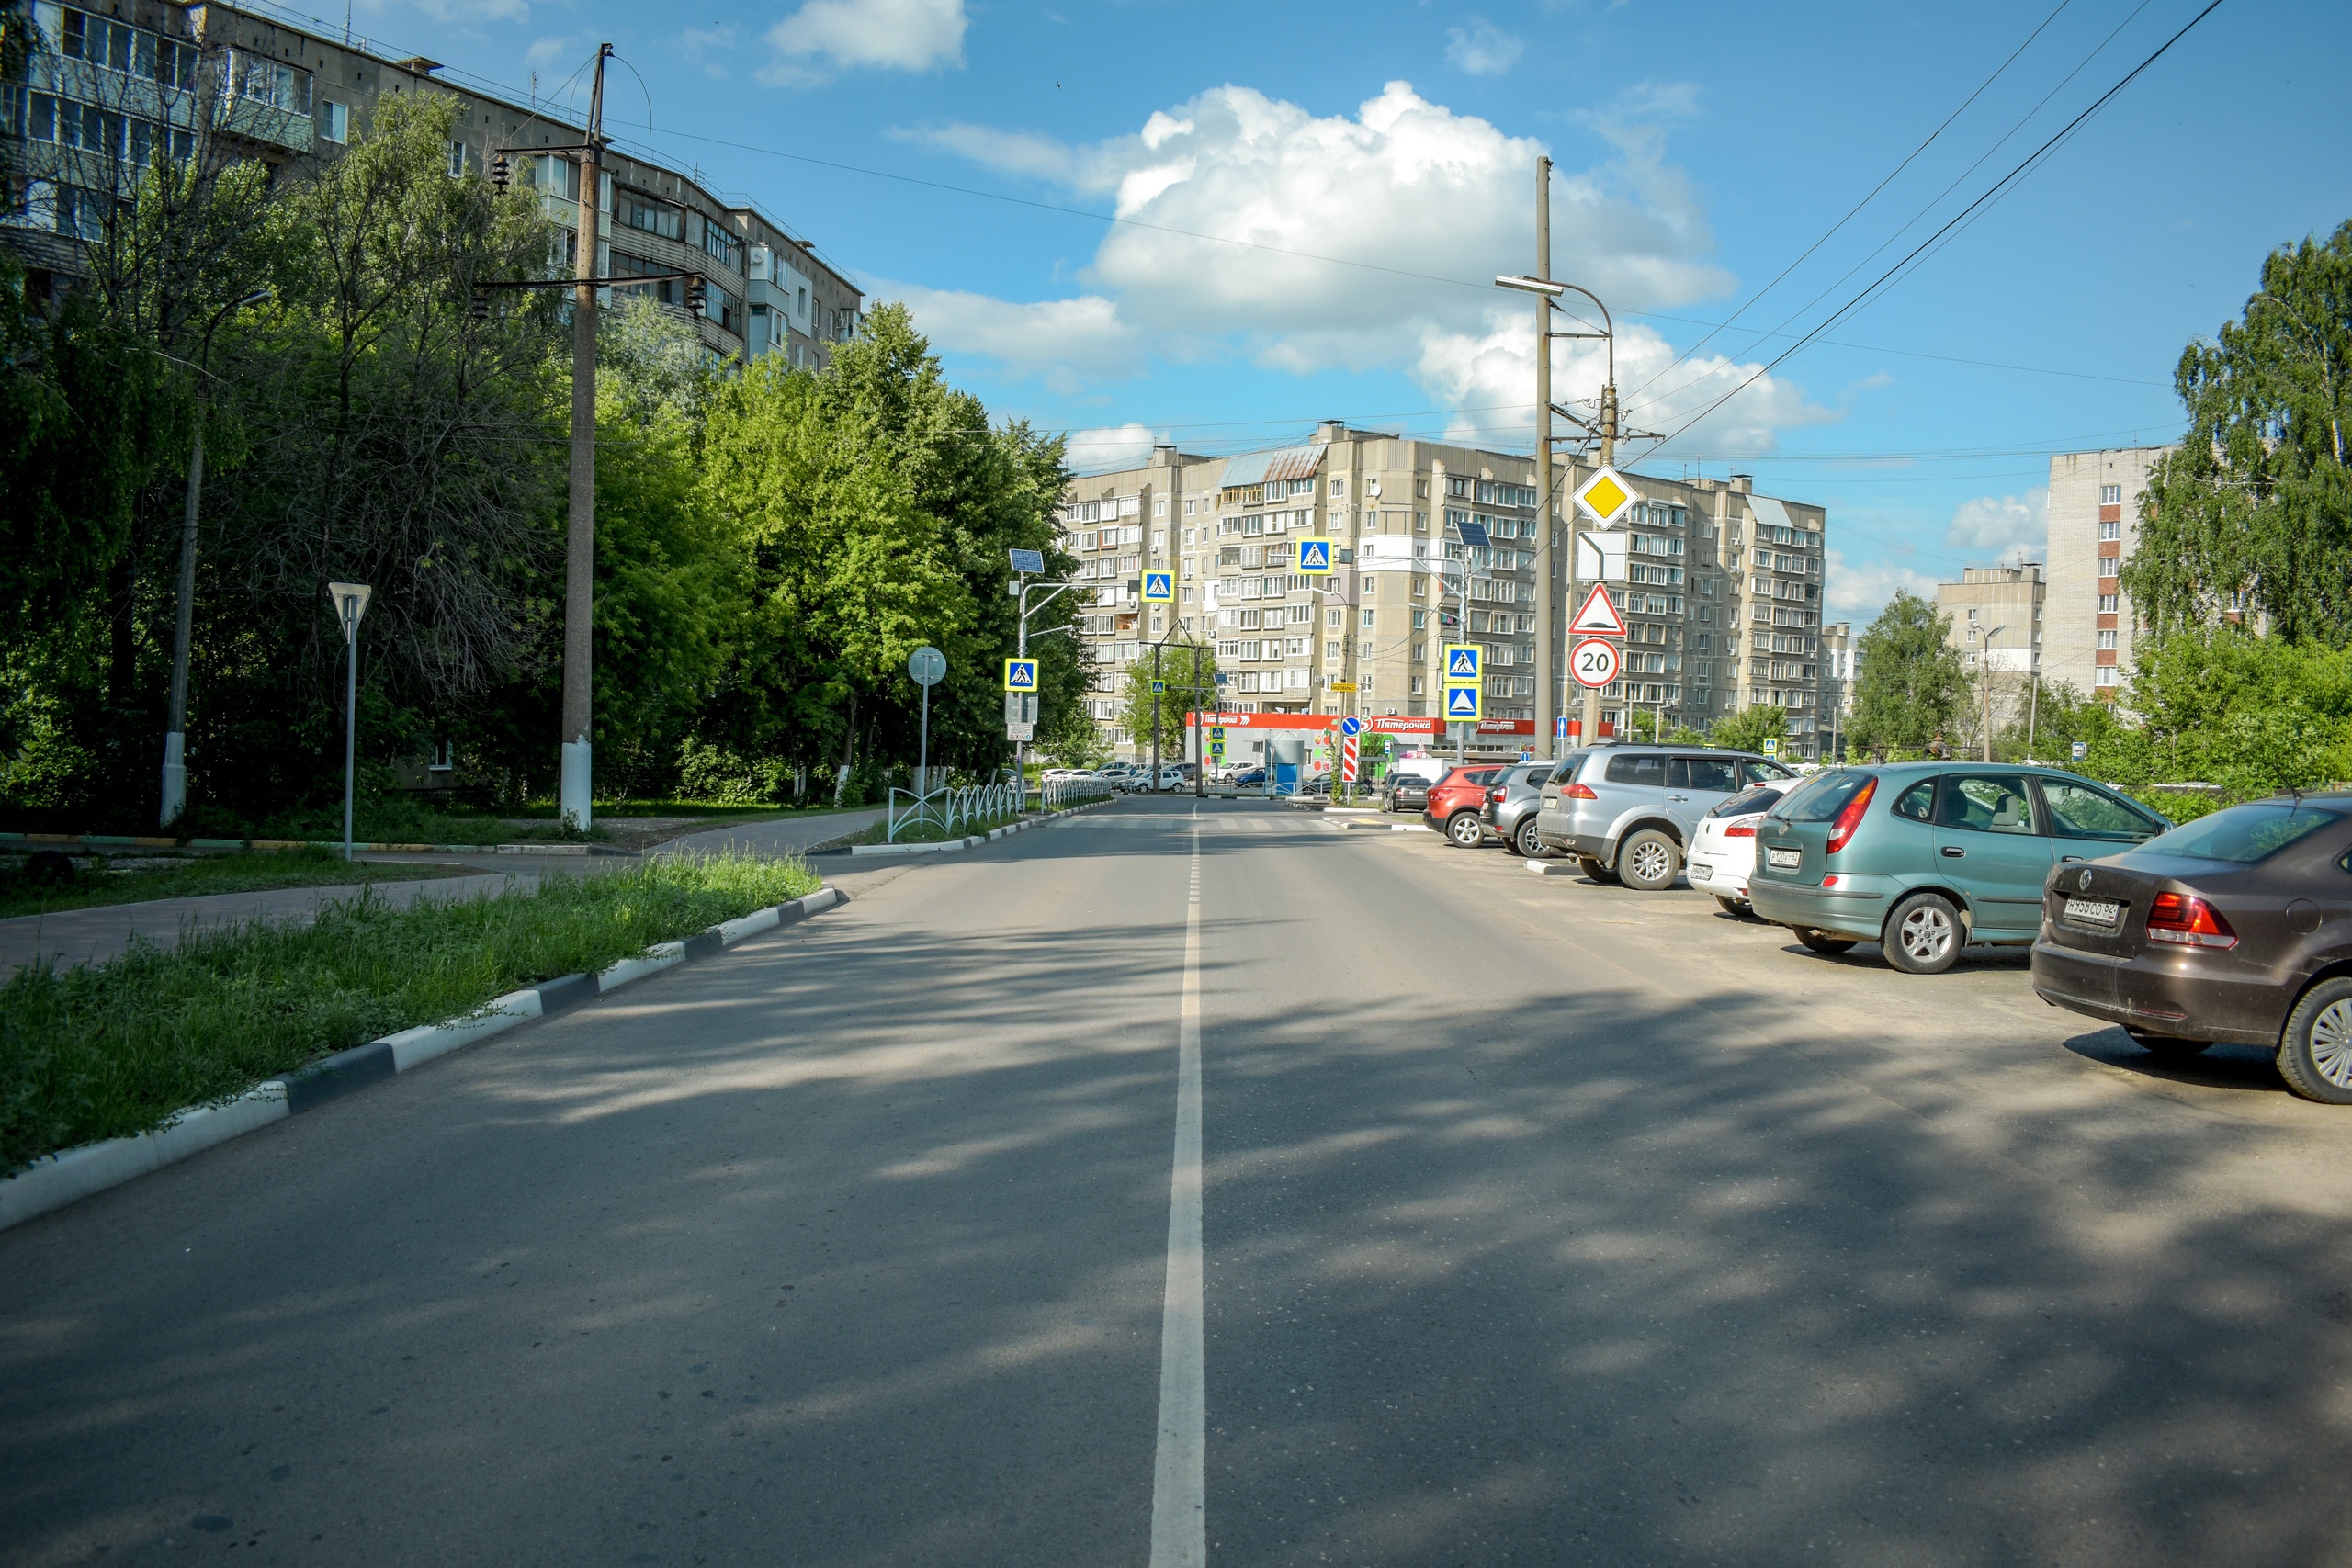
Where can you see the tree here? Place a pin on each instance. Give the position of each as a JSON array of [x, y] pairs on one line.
[[1189, 673], [1911, 685], [2254, 508], [1747, 730]]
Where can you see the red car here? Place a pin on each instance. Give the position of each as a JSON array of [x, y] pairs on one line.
[[1455, 803]]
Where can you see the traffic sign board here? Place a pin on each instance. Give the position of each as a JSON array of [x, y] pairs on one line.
[[1216, 733], [1594, 662], [1462, 663], [1216, 747], [1020, 674], [1160, 588], [1158, 687], [2079, 751], [1599, 617], [1606, 496], [1341, 685], [926, 664], [1352, 725], [1314, 555], [1461, 704], [1771, 746], [1348, 758]]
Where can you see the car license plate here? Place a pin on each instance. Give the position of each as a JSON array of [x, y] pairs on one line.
[[2093, 911], [1783, 859], [1702, 873]]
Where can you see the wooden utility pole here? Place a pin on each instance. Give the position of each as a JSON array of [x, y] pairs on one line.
[[577, 777]]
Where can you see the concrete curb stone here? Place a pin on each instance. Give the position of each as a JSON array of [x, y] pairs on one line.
[[55, 1180]]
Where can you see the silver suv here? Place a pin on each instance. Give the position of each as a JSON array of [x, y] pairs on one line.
[[1627, 812]]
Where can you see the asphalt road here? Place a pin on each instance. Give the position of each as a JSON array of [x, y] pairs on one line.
[[1540, 1222]]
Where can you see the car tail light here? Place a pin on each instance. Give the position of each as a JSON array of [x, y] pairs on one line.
[[1498, 796], [1851, 817], [1578, 792], [1740, 831], [2190, 920]]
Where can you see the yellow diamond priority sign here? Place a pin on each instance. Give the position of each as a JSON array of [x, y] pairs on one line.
[[1607, 496]]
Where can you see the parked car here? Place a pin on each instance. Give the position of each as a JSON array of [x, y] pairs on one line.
[[2236, 927], [1512, 799], [1248, 778], [1925, 858], [1404, 792], [1455, 802], [1722, 851], [1627, 812]]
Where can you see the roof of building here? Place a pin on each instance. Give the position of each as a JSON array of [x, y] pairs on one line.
[[1265, 468]]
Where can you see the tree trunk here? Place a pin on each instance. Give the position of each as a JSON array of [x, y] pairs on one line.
[[849, 754]]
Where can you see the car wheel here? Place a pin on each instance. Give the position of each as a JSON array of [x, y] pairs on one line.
[[1923, 935], [1825, 942], [2163, 1047], [1530, 844], [2316, 1048], [1510, 845], [1597, 871], [1465, 828], [1648, 860], [1732, 907]]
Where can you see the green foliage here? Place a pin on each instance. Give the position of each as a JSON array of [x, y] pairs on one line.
[[1911, 686], [108, 1050], [1747, 730], [1189, 672], [2257, 500]]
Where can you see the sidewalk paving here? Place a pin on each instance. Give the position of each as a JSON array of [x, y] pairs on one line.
[[94, 935], [785, 837]]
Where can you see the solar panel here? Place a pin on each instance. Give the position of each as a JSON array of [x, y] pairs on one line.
[[1032, 562]]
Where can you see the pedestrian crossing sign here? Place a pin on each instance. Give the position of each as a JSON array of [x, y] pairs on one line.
[[1462, 704], [1158, 687], [1158, 588], [1020, 674], [1314, 555], [1216, 733], [1462, 663]]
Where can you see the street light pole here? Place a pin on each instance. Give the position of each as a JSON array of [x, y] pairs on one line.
[[350, 602], [1547, 647], [174, 791], [578, 776]]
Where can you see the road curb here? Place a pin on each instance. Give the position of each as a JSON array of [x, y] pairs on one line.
[[955, 846], [1553, 867], [55, 1180]]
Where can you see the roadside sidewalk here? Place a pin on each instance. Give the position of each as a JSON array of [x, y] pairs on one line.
[[774, 838], [94, 935]]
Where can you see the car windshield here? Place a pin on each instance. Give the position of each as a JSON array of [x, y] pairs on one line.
[[1822, 797], [2246, 833], [1749, 801]]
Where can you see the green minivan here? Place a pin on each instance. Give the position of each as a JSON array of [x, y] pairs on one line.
[[1925, 858]]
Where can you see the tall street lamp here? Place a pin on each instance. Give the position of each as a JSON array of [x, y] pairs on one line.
[[350, 602], [184, 617]]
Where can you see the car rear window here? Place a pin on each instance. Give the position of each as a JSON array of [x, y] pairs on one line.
[[1827, 796], [2246, 833], [1649, 771], [1748, 801]]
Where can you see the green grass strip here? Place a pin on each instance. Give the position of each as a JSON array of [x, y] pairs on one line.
[[103, 1051], [96, 884]]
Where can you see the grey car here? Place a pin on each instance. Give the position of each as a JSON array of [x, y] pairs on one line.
[[1512, 802], [1628, 812]]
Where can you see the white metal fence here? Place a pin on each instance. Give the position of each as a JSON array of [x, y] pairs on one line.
[[1061, 793], [949, 809]]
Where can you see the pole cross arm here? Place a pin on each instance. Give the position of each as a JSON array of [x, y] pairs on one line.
[[591, 282]]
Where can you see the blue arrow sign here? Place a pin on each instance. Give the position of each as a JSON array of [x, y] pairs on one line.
[[1315, 555], [1352, 725], [1462, 702], [1158, 588]]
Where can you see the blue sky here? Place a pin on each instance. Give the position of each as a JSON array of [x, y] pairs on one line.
[[1701, 149]]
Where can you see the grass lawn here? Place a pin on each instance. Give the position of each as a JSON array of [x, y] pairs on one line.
[[255, 872], [101, 1051]]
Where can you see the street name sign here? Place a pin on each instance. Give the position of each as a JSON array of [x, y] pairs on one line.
[[1594, 662], [1599, 617], [1314, 555], [1160, 588], [1462, 663], [1462, 704], [1020, 674], [1342, 685], [1607, 497]]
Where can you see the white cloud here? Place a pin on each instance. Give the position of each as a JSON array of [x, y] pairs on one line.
[[549, 51], [1861, 592], [2011, 527], [457, 11], [1482, 48], [1067, 342], [825, 37], [1110, 447]]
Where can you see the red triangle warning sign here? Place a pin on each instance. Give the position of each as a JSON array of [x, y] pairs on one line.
[[1599, 615]]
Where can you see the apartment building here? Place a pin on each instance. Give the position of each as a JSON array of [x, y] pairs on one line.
[[2094, 522], [1842, 661], [120, 78], [1996, 618], [1696, 563]]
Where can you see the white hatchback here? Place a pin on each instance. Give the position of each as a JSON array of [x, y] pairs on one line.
[[1722, 851]]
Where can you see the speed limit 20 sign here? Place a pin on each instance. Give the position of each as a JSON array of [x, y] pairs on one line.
[[1594, 662]]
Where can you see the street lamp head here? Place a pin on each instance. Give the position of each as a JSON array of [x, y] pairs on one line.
[[1531, 285], [258, 296]]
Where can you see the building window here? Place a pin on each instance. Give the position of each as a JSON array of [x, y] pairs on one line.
[[2111, 495], [1367, 620], [2107, 639], [2105, 675], [338, 122], [2107, 604], [2110, 530], [1331, 619]]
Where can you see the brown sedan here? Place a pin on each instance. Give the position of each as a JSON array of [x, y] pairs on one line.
[[2235, 927]]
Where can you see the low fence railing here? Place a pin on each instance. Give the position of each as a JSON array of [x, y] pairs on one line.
[[1060, 794], [950, 809]]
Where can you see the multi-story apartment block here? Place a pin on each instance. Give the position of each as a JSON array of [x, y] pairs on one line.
[[1681, 572], [2093, 521], [1996, 618], [120, 78], [1841, 660]]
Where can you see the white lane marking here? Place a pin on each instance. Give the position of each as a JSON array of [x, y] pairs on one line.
[[1179, 1503]]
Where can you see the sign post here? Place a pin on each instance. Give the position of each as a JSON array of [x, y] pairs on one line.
[[925, 665], [350, 602]]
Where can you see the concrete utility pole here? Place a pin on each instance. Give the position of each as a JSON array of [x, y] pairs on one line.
[[1547, 597], [580, 543]]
